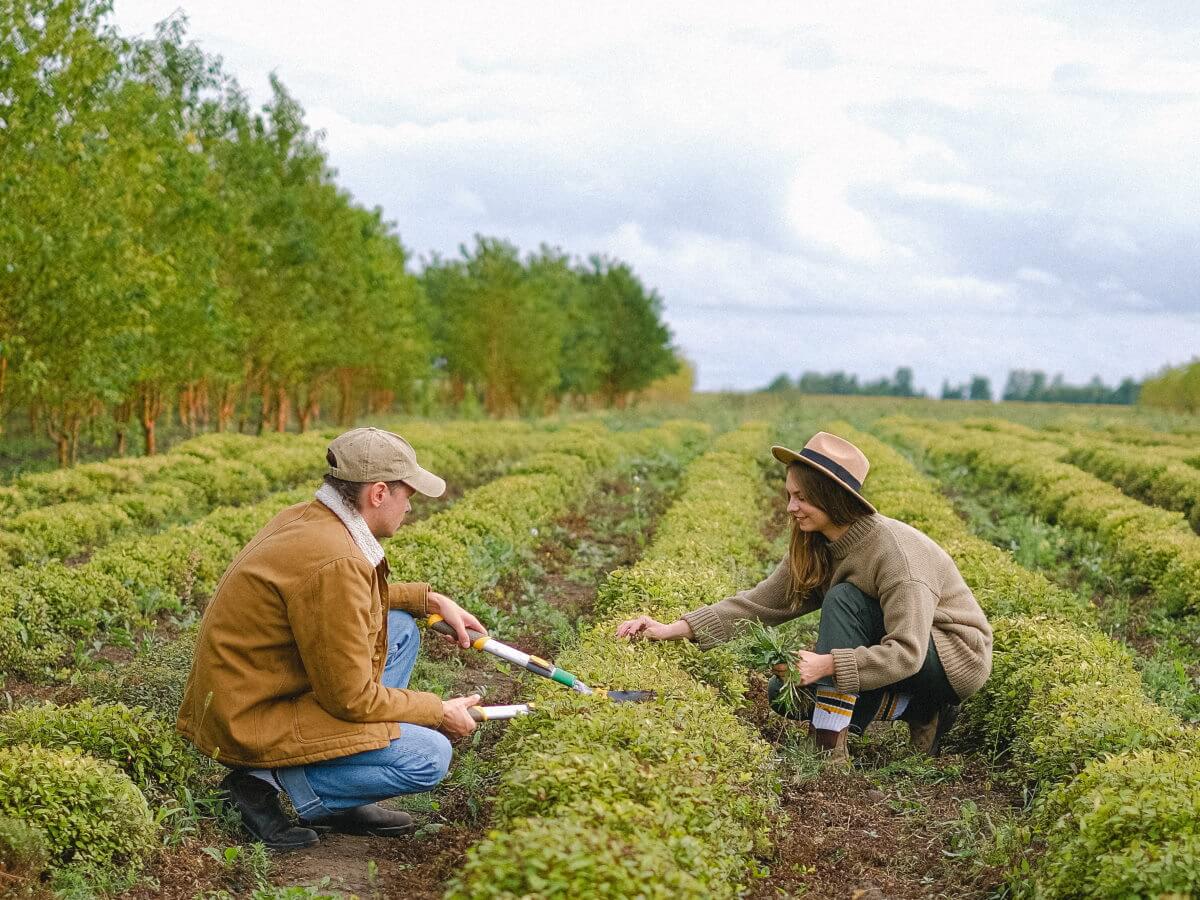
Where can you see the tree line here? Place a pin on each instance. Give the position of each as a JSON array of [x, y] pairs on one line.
[[1176, 388], [1023, 385], [165, 245]]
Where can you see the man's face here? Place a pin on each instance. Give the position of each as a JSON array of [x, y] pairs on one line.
[[386, 509]]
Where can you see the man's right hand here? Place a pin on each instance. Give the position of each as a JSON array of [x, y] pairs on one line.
[[456, 721]]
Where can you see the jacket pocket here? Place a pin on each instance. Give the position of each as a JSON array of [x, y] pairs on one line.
[[311, 724]]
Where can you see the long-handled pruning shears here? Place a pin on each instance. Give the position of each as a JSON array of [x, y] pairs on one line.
[[534, 664]]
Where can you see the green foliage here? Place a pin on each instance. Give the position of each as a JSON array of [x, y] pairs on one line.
[[1154, 546], [155, 678], [1174, 388], [665, 799], [89, 810], [1128, 826], [24, 850], [136, 740]]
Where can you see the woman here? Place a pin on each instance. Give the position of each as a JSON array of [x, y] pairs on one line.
[[901, 635]]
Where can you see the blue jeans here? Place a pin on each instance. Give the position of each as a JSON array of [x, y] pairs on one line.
[[416, 761]]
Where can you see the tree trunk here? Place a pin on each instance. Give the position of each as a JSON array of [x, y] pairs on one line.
[[75, 425], [121, 416], [264, 412], [345, 379], [151, 409], [225, 406], [283, 409]]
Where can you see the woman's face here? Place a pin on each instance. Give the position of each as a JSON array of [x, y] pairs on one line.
[[807, 516]]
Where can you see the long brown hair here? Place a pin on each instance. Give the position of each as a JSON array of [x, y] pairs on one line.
[[808, 552]]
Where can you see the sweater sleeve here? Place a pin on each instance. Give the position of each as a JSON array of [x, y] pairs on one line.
[[409, 596], [907, 624], [769, 602], [331, 621]]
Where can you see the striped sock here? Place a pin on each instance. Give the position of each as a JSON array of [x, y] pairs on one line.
[[833, 709], [892, 706]]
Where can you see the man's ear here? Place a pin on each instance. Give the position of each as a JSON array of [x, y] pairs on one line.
[[376, 492]]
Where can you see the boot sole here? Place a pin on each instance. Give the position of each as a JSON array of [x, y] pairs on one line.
[[388, 832]]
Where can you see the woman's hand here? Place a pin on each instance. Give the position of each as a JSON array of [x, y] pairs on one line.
[[811, 667], [646, 627]]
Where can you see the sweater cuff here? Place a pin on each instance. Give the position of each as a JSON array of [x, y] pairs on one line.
[[708, 628], [410, 596], [845, 670]]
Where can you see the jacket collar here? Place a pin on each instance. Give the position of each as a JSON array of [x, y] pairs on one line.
[[355, 524]]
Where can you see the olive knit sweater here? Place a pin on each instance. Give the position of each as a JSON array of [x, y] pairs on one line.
[[919, 589]]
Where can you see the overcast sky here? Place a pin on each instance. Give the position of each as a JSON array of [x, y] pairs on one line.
[[959, 187]]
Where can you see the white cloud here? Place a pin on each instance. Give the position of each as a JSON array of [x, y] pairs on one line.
[[855, 161]]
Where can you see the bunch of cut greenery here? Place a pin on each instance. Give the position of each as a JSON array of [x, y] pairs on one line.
[[763, 647]]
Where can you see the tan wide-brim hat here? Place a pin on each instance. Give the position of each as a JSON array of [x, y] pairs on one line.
[[367, 455], [832, 456]]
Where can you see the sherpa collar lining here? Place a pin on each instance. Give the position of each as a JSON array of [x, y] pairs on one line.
[[355, 524]]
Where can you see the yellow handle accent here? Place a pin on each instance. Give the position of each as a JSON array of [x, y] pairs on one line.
[[538, 661], [479, 642], [433, 619]]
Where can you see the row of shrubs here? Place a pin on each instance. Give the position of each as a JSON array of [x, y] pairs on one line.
[[63, 514], [1144, 473], [1154, 474], [1152, 546], [667, 799], [85, 784], [46, 610], [464, 550], [1114, 773]]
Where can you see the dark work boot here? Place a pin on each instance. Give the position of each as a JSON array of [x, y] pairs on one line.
[[258, 804], [372, 820]]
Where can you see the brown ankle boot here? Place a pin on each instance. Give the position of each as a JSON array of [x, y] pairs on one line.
[[927, 736], [832, 745]]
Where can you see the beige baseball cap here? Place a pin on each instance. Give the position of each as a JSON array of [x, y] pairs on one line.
[[367, 455]]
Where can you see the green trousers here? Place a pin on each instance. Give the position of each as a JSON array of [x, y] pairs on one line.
[[850, 618]]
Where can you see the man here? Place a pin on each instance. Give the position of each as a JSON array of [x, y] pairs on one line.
[[299, 681]]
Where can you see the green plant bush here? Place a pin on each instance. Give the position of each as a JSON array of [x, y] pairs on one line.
[[155, 678], [24, 852], [1154, 546], [44, 611], [1127, 826], [665, 799], [567, 858], [136, 740], [90, 811], [1063, 698]]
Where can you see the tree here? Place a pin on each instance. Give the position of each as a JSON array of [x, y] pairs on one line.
[[980, 389]]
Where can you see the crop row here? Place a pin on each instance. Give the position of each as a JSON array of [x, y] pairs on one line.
[[669, 799], [75, 780], [46, 609], [1062, 700], [1157, 475], [58, 515], [1150, 545]]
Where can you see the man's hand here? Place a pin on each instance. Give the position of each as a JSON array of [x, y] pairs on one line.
[[456, 721], [811, 667], [456, 617], [646, 627]]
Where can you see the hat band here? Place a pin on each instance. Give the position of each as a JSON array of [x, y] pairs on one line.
[[825, 462]]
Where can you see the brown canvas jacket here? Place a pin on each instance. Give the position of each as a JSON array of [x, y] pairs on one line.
[[292, 647]]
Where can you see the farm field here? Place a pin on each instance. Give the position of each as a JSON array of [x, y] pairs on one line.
[[1074, 772]]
